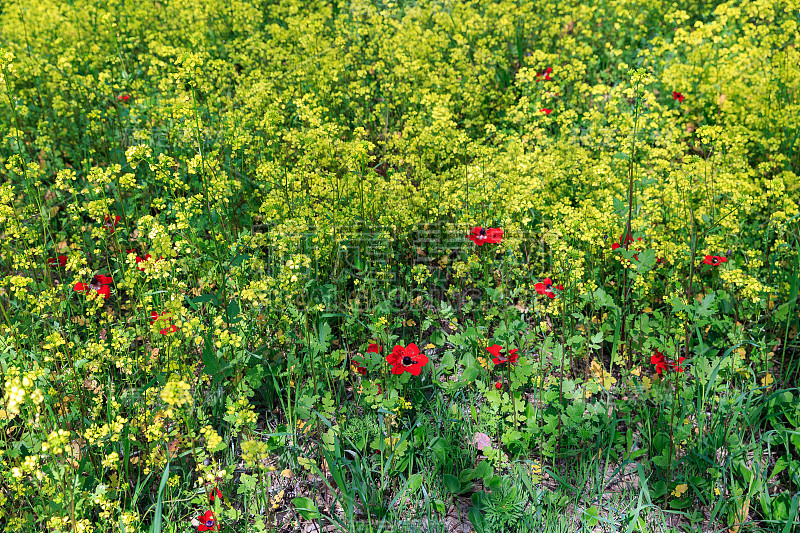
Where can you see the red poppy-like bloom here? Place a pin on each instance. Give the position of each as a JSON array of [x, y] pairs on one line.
[[61, 261], [374, 348], [499, 357], [659, 360], [714, 260], [545, 288], [361, 370], [214, 494], [677, 96], [677, 366], [498, 385], [165, 317], [624, 241], [140, 259], [482, 236], [545, 74], [546, 111], [123, 98], [208, 522], [408, 359], [111, 224], [99, 284]]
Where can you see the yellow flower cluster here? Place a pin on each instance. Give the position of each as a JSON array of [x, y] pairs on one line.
[[176, 393]]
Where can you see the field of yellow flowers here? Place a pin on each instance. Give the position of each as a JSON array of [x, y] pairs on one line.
[[394, 265]]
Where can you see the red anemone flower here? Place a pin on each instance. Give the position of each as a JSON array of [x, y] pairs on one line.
[[677, 96], [659, 361], [208, 522], [164, 317], [99, 284], [498, 385], [214, 494], [624, 241], [374, 348], [141, 259], [714, 260], [61, 261], [545, 288], [408, 359], [545, 74], [677, 366], [545, 111], [111, 224], [123, 98], [499, 357], [482, 236]]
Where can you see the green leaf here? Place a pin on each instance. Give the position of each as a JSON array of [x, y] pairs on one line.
[[239, 259], [233, 310], [590, 517], [203, 298], [470, 374], [476, 519], [210, 362], [157, 517], [452, 483], [305, 507], [661, 461], [705, 308], [415, 482], [484, 470], [647, 260]]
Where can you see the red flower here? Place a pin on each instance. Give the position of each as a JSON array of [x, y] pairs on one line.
[[545, 74], [499, 357], [111, 225], [714, 260], [481, 235], [208, 522], [545, 288], [408, 359], [140, 259], [214, 494], [659, 360], [624, 241], [374, 348], [61, 261], [546, 111], [155, 317], [498, 385], [677, 366], [99, 284], [123, 98], [677, 96], [361, 370]]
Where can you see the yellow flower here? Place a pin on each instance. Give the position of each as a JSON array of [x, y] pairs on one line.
[[680, 489]]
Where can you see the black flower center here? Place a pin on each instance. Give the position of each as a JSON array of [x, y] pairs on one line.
[[407, 361], [95, 284], [715, 260], [483, 231], [209, 523]]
